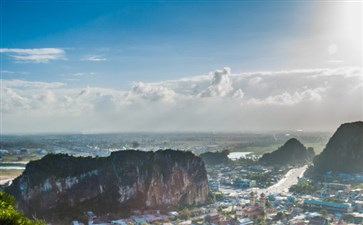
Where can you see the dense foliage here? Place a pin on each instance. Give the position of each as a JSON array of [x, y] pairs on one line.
[[304, 187], [9, 215], [215, 158]]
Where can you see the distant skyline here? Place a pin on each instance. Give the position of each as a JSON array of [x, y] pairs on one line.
[[224, 66]]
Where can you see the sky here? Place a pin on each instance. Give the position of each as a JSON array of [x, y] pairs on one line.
[[188, 66]]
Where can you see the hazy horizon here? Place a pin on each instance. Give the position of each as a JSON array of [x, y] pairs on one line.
[[205, 66], [257, 132]]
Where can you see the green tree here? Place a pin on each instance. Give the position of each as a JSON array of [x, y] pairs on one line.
[[9, 215], [219, 196], [324, 213], [305, 187], [185, 214], [280, 216], [268, 204], [211, 197]]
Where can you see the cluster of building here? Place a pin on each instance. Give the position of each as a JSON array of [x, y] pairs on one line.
[[238, 176], [346, 177], [252, 206], [252, 209], [242, 201], [338, 199]]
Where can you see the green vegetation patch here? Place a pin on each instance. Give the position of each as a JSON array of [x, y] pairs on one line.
[[9, 215]]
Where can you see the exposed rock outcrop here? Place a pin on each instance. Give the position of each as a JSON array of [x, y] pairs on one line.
[[344, 151], [291, 153], [62, 185]]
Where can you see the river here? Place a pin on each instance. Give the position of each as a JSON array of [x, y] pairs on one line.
[[12, 165], [238, 155]]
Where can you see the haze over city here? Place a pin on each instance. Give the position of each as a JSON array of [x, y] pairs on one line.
[[159, 66], [204, 112]]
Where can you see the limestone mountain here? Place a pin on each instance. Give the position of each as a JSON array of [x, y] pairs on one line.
[[61, 185], [344, 151], [291, 153]]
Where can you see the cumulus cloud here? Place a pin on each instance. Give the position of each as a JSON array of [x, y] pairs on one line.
[[11, 101], [152, 92], [220, 85], [316, 99], [94, 58], [255, 80], [35, 55], [291, 99], [238, 94]]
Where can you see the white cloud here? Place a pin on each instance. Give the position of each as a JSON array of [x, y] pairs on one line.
[[6, 72], [220, 85], [47, 97], [95, 58], [255, 80], [84, 74], [30, 84], [35, 55], [151, 92], [291, 99], [238, 94], [297, 99]]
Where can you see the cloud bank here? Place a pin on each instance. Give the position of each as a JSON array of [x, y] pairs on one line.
[[312, 99]]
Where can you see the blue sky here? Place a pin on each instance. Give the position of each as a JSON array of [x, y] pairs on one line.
[[151, 41], [52, 52]]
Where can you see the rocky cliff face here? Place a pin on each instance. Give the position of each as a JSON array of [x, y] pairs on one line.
[[292, 152], [62, 185], [344, 151]]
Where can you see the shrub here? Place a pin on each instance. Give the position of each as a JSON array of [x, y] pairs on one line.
[[9, 215]]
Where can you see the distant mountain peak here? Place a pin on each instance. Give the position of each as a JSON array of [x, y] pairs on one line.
[[294, 143], [292, 152]]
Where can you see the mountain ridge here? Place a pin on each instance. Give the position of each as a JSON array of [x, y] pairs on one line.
[[62, 185]]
